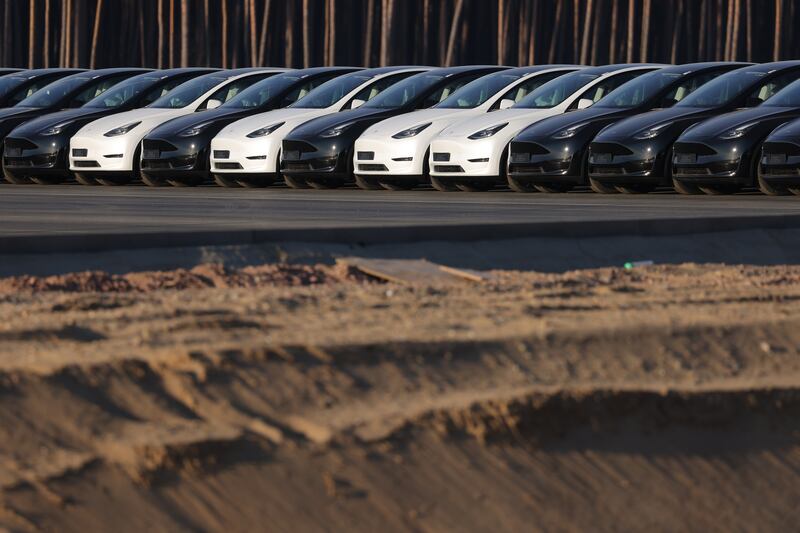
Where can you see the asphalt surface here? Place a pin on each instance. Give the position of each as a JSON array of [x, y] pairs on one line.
[[74, 209]]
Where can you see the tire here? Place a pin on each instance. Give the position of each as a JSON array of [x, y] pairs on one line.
[[519, 186], [16, 180], [443, 186], [185, 181], [114, 181], [554, 187], [85, 179], [399, 185], [368, 183], [475, 186], [719, 190], [152, 181], [324, 184], [296, 183], [794, 190], [602, 188], [252, 182], [636, 188], [48, 180], [682, 187], [223, 181], [772, 189]]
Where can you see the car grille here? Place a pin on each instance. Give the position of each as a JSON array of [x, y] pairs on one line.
[[372, 167], [448, 168], [788, 149], [152, 149], [38, 160], [365, 156], [725, 167], [80, 152], [693, 148], [222, 154], [521, 152], [227, 166], [296, 149], [610, 148], [85, 164], [786, 171], [441, 156], [20, 144]]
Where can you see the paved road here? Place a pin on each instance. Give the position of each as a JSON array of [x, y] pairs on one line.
[[73, 209]]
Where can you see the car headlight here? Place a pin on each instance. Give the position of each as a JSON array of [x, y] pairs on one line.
[[336, 131], [122, 130], [488, 132], [410, 132], [58, 128], [653, 132], [570, 132], [263, 132], [194, 130], [738, 131]]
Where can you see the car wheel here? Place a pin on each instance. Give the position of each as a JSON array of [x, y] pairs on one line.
[[223, 181], [601, 187], [368, 183], [443, 186], [111, 181], [721, 189], [85, 179], [475, 186], [325, 183], [47, 180], [152, 181], [554, 187], [255, 182], [17, 180], [685, 188], [185, 181], [636, 188], [398, 185], [772, 189], [296, 183], [521, 186]]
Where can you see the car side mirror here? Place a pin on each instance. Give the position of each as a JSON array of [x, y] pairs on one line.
[[505, 103], [213, 103], [357, 102], [752, 101], [583, 103]]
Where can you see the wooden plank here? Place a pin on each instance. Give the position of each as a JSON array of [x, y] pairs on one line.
[[412, 271]]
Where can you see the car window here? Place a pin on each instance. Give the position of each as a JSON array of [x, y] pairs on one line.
[[478, 91], [161, 90], [305, 88], [769, 88], [404, 92], [230, 90], [599, 91], [330, 92], [96, 89], [523, 89], [556, 91], [724, 89], [686, 88], [371, 91], [444, 92]]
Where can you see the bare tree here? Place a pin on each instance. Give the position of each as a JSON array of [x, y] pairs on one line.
[[95, 33], [184, 33], [386, 30], [631, 15], [776, 47], [224, 33], [46, 45], [262, 45], [612, 38], [586, 32], [451, 44], [645, 30], [31, 31]]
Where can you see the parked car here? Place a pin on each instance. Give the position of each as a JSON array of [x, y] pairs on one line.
[[246, 153], [393, 154], [720, 155], [177, 152], [552, 155], [120, 135], [779, 162], [40, 145], [16, 85], [67, 92], [471, 155], [319, 153]]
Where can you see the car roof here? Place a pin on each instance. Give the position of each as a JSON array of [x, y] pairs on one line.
[[38, 72], [771, 67], [538, 68], [303, 72], [377, 71], [689, 68], [450, 71], [166, 72]]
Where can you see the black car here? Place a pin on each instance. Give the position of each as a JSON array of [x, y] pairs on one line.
[[71, 91], [319, 153], [43, 142], [720, 155], [16, 85], [779, 166], [552, 155], [634, 155], [176, 152]]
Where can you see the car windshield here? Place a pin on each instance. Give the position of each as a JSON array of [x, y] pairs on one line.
[[331, 91], [263, 92], [722, 90], [789, 96], [123, 92], [639, 90], [10, 83], [188, 92], [55, 92], [404, 92], [556, 91], [477, 92]]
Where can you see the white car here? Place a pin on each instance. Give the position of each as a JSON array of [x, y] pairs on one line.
[[393, 153], [109, 147], [471, 154], [247, 151]]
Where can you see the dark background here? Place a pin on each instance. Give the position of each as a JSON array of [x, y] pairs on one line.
[[234, 33]]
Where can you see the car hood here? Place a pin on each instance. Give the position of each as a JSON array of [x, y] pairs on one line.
[[437, 117], [630, 126], [516, 118], [148, 116], [11, 112], [184, 122], [549, 127], [314, 127], [33, 127], [716, 126], [290, 116]]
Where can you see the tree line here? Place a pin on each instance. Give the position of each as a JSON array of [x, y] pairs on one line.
[[296, 33]]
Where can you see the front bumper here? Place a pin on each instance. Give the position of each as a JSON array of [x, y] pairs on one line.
[[535, 162], [106, 155], [383, 157], [700, 163], [23, 157], [300, 158], [173, 158], [244, 156], [454, 158], [618, 162], [780, 163]]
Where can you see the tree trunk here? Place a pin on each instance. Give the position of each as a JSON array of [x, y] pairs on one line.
[[184, 33], [645, 30], [224, 33], [501, 39], [386, 31], [306, 36], [631, 14], [370, 22], [776, 46], [262, 45], [46, 46], [587, 21], [95, 33], [160, 24], [451, 44], [676, 34], [612, 40], [551, 56]]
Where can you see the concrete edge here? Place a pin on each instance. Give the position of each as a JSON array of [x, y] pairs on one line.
[[102, 242]]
